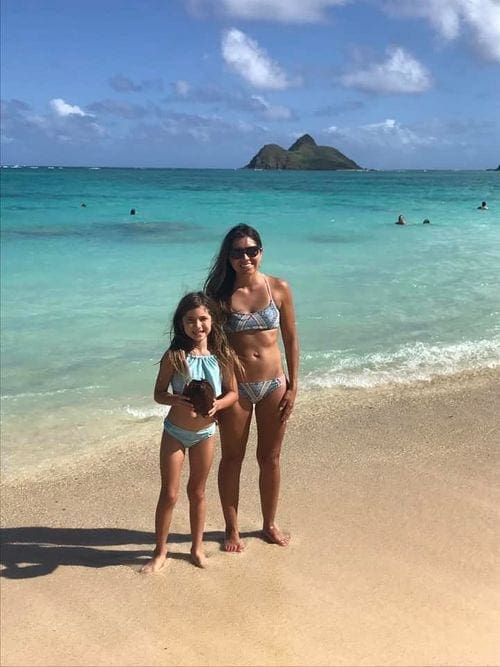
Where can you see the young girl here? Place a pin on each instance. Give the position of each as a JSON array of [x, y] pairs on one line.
[[198, 351]]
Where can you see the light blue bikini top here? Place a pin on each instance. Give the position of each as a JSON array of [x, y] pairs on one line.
[[204, 367], [261, 320]]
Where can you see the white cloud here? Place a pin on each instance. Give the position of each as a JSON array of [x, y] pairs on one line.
[[286, 11], [479, 19], [23, 125], [210, 94], [272, 112], [245, 57], [181, 88], [202, 128], [63, 109], [385, 134], [400, 73]]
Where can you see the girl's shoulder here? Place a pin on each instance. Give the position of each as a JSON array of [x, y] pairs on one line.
[[170, 356]]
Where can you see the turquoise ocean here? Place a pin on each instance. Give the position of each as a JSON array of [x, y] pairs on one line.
[[88, 291]]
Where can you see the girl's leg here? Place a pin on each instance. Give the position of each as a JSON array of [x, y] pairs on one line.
[[234, 425], [201, 457], [171, 460], [270, 433]]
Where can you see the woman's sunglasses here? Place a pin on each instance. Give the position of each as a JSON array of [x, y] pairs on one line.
[[239, 253]]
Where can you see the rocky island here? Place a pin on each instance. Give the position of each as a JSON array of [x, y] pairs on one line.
[[303, 154]]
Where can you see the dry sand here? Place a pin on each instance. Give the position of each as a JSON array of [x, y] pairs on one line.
[[391, 499]]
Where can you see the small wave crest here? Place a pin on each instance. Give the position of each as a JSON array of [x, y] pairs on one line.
[[144, 414], [409, 363], [54, 392]]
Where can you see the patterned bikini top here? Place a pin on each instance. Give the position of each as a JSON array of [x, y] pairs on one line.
[[261, 320]]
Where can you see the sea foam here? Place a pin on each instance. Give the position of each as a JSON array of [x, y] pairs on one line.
[[410, 363]]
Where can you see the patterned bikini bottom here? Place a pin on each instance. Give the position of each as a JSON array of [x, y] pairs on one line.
[[256, 391]]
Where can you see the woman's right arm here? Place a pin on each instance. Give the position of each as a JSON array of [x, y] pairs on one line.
[[163, 379]]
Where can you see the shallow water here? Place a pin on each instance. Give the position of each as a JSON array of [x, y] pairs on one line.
[[87, 292]]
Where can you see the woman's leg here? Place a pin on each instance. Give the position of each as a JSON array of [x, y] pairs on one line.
[[270, 433], [171, 460], [234, 425], [201, 457]]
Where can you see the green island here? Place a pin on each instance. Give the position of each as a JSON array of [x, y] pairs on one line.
[[303, 154]]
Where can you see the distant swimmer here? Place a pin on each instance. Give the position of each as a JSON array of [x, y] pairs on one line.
[[132, 211], [483, 207], [83, 204], [426, 221], [400, 221]]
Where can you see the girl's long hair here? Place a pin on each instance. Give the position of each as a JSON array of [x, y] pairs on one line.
[[181, 344], [220, 280]]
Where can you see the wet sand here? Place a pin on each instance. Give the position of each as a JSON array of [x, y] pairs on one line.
[[391, 496]]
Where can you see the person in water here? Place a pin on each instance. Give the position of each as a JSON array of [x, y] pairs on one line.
[[401, 220], [258, 308], [426, 221], [483, 207], [198, 351]]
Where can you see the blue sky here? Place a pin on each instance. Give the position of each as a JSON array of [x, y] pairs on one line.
[[205, 83]]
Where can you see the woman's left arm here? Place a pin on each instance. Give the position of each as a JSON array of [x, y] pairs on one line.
[[291, 344]]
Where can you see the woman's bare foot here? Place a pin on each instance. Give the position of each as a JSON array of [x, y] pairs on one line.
[[274, 535], [198, 558], [155, 564], [233, 543]]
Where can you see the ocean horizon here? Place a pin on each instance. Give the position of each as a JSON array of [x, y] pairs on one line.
[[362, 169], [88, 291]]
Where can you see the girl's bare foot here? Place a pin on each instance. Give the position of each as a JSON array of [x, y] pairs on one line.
[[155, 564], [198, 558], [232, 543], [274, 535]]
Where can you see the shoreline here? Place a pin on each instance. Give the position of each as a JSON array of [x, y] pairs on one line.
[[136, 437], [391, 497]]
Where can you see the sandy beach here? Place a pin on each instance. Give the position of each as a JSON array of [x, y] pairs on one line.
[[391, 497]]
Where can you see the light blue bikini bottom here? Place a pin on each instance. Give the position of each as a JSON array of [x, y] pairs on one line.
[[256, 391], [188, 438]]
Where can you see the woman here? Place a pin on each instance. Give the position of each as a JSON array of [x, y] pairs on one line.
[[257, 307]]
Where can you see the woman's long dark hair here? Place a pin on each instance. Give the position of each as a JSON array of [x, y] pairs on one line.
[[220, 281], [181, 344]]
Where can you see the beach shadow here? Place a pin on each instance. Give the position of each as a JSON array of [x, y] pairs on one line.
[[35, 551]]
